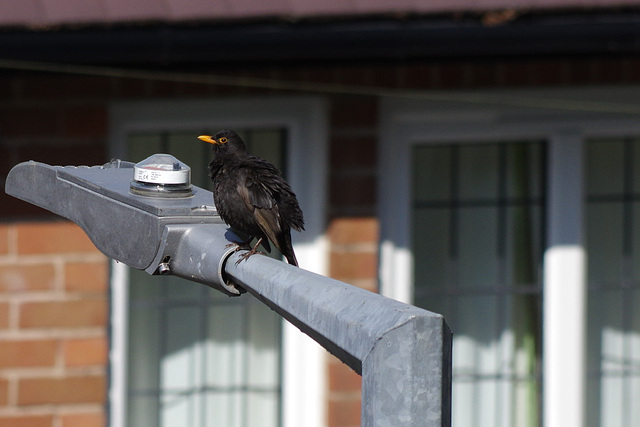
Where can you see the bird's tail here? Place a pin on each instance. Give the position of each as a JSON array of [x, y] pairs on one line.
[[291, 258], [286, 248]]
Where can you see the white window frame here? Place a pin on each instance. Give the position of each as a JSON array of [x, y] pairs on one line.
[[564, 118], [305, 120]]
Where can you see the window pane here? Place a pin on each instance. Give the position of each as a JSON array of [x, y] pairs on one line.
[[185, 145], [523, 245], [477, 242], [477, 247], [432, 173], [144, 333], [604, 164], [604, 240], [613, 248], [478, 171], [431, 241], [141, 146], [634, 236], [266, 144], [525, 178], [143, 411]]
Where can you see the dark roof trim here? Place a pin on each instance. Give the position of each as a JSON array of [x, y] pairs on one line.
[[344, 41]]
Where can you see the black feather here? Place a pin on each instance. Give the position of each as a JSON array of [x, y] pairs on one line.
[[252, 197]]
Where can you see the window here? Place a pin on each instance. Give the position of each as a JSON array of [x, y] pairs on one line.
[[613, 245], [477, 217], [499, 204], [184, 354]]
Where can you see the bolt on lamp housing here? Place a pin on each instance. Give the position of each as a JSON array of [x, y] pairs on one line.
[[161, 175]]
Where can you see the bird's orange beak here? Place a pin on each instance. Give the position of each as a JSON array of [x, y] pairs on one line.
[[207, 138]]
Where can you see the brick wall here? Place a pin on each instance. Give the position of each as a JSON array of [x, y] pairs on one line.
[[353, 259], [53, 316], [352, 230]]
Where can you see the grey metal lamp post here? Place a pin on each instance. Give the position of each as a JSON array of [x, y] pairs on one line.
[[402, 352]]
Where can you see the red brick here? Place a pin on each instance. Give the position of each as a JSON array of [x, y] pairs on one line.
[[86, 276], [9, 88], [614, 71], [83, 420], [353, 230], [24, 278], [350, 111], [30, 121], [27, 353], [85, 351], [386, 76], [4, 239], [40, 391], [64, 314], [317, 74], [550, 72], [166, 89], [132, 88], [4, 315], [353, 266], [581, 72], [291, 74], [4, 391], [52, 237], [483, 75], [632, 73], [26, 421], [356, 190], [65, 87], [420, 76], [452, 75], [354, 75], [7, 160], [344, 413], [517, 73], [343, 379], [85, 121], [349, 152]]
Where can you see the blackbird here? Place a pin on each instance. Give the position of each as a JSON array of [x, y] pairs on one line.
[[252, 197]]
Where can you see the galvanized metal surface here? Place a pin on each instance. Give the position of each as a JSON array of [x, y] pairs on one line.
[[402, 352]]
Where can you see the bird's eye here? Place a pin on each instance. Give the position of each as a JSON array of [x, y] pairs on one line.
[[222, 140]]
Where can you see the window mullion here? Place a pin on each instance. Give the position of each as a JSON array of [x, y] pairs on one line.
[[564, 287]]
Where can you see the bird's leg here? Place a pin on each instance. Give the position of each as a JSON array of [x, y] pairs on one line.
[[253, 251]]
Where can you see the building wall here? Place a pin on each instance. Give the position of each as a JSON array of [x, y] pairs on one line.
[[53, 283], [352, 230], [53, 318]]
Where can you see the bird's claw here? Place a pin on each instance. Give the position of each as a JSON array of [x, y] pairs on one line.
[[248, 254], [245, 246]]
